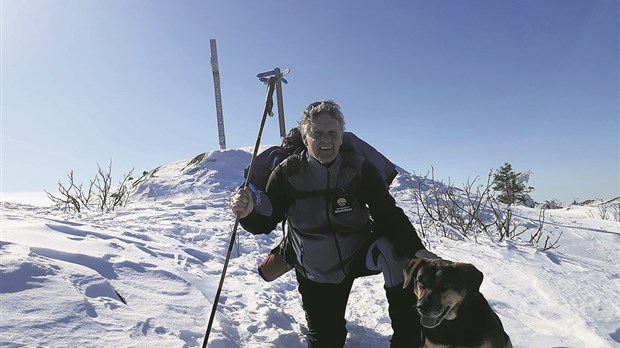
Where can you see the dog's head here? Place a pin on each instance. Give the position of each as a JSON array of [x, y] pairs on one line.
[[440, 287]]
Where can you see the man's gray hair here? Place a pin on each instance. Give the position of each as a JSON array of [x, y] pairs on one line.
[[324, 106]]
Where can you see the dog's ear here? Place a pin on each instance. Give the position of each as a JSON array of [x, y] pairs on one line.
[[411, 270], [471, 276]]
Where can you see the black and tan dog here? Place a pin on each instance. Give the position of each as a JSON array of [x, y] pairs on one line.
[[453, 312]]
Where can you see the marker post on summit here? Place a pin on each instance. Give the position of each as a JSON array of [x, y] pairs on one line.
[[218, 95]]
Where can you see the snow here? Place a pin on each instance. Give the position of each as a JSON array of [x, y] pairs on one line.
[[39, 199], [146, 274]]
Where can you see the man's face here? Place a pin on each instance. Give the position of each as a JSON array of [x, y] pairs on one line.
[[324, 138]]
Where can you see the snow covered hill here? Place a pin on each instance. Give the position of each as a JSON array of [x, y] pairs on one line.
[[146, 275]]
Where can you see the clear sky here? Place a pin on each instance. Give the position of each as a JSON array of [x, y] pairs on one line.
[[462, 86]]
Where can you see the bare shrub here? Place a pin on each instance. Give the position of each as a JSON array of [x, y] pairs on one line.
[[448, 210], [99, 195], [616, 211], [70, 196], [467, 212], [535, 237], [603, 212], [505, 225]]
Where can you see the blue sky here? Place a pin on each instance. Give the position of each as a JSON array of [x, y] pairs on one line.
[[462, 86]]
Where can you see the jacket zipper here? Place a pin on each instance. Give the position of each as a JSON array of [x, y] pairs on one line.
[[329, 225]]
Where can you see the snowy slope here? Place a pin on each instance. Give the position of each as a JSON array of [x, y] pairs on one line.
[[146, 275]]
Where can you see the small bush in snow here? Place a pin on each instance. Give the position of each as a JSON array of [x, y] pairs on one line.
[[608, 211], [552, 204], [99, 195], [616, 211], [469, 212], [603, 212], [511, 187]]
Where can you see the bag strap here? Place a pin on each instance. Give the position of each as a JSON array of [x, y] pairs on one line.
[[292, 167]]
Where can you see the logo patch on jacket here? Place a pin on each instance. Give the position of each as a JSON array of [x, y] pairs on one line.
[[342, 204]]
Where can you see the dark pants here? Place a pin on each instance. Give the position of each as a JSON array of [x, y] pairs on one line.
[[325, 306]]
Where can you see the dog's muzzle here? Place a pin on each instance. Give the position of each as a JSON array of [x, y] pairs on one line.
[[430, 322]]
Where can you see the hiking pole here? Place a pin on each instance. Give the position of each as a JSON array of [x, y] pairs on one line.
[[267, 111]]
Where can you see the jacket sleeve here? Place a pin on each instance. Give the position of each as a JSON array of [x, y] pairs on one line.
[[256, 223], [389, 218]]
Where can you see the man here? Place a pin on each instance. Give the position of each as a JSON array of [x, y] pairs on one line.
[[342, 224]]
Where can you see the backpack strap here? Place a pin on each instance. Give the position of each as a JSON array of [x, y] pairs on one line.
[[293, 163]]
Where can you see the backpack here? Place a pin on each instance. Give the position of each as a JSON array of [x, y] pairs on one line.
[[266, 161]]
